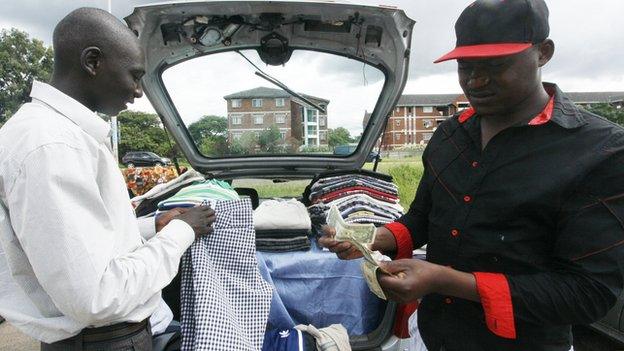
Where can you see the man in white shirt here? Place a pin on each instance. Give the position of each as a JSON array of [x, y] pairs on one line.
[[77, 270]]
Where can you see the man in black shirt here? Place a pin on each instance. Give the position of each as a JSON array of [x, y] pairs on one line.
[[521, 203]]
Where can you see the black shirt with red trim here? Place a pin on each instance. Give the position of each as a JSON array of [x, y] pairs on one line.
[[538, 218]]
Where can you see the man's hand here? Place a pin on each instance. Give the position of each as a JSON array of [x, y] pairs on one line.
[[166, 217], [384, 241], [343, 249], [200, 218], [412, 279]]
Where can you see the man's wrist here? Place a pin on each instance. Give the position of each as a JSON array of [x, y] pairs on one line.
[[449, 281], [384, 241]]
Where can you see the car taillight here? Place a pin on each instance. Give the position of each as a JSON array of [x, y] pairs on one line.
[[401, 328]]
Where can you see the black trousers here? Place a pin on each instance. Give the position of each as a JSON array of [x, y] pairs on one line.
[[119, 337]]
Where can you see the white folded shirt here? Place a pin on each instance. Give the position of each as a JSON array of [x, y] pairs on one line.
[[282, 214]]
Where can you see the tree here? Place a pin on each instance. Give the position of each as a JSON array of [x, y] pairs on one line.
[[21, 61], [142, 131], [208, 127], [338, 136], [612, 113], [245, 145], [210, 135], [269, 139]]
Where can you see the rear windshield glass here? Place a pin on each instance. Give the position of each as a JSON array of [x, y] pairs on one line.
[[231, 111]]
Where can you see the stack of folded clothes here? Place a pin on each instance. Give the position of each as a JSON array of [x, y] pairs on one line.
[[361, 197], [199, 193], [282, 226]]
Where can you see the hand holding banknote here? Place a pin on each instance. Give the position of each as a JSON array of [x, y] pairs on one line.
[[356, 240]]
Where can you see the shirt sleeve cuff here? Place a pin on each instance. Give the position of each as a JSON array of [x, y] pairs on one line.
[[403, 239], [147, 227], [495, 296], [179, 232]]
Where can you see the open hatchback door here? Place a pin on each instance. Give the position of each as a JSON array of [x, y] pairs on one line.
[[288, 79]]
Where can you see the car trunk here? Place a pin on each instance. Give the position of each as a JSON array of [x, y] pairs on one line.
[[183, 41]]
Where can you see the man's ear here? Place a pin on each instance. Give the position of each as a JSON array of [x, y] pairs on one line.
[[91, 60], [546, 51]]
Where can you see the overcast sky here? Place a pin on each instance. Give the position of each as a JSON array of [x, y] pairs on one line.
[[589, 38]]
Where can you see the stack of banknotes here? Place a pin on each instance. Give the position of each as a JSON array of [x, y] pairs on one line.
[[361, 236]]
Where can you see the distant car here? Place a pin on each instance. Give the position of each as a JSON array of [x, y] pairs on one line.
[[348, 149], [144, 158]]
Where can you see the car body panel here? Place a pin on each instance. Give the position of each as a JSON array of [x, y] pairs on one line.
[[390, 54]]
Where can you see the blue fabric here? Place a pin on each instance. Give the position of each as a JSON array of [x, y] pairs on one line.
[[283, 340], [316, 287]]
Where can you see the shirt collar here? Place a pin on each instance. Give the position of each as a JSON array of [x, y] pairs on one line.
[[76, 112], [559, 109]]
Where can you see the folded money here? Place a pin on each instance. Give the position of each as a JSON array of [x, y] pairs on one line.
[[360, 237], [362, 233], [369, 271]]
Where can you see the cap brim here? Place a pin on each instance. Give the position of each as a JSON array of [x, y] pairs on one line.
[[484, 50]]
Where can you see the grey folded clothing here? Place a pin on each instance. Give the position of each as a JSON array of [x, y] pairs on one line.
[[301, 243], [281, 233]]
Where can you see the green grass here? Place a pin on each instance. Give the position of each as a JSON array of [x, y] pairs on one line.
[[267, 189], [406, 173]]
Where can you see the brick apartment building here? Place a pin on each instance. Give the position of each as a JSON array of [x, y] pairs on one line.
[[257, 109], [415, 117]]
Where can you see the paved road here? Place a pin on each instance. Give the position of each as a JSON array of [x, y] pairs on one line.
[[13, 340]]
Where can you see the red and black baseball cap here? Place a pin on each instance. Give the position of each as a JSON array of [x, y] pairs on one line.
[[493, 28]]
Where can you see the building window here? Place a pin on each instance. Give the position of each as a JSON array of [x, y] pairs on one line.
[[236, 103], [311, 130], [283, 135], [409, 110], [256, 102], [428, 123], [311, 115], [427, 109], [278, 102], [280, 118], [236, 135], [322, 135], [321, 121], [258, 119], [237, 119], [427, 136]]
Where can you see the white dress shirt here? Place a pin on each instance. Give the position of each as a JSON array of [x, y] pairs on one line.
[[71, 253]]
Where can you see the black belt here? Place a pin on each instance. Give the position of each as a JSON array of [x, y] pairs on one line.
[[107, 333], [113, 331]]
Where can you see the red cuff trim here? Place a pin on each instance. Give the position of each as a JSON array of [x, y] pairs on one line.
[[496, 300], [403, 239]]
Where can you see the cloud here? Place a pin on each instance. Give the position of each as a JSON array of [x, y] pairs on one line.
[[588, 37]]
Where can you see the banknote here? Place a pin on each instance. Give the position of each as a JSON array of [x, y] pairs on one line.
[[361, 241], [369, 271], [362, 233]]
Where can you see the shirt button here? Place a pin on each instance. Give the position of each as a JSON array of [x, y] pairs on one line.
[[467, 198], [475, 164], [454, 232], [448, 301]]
